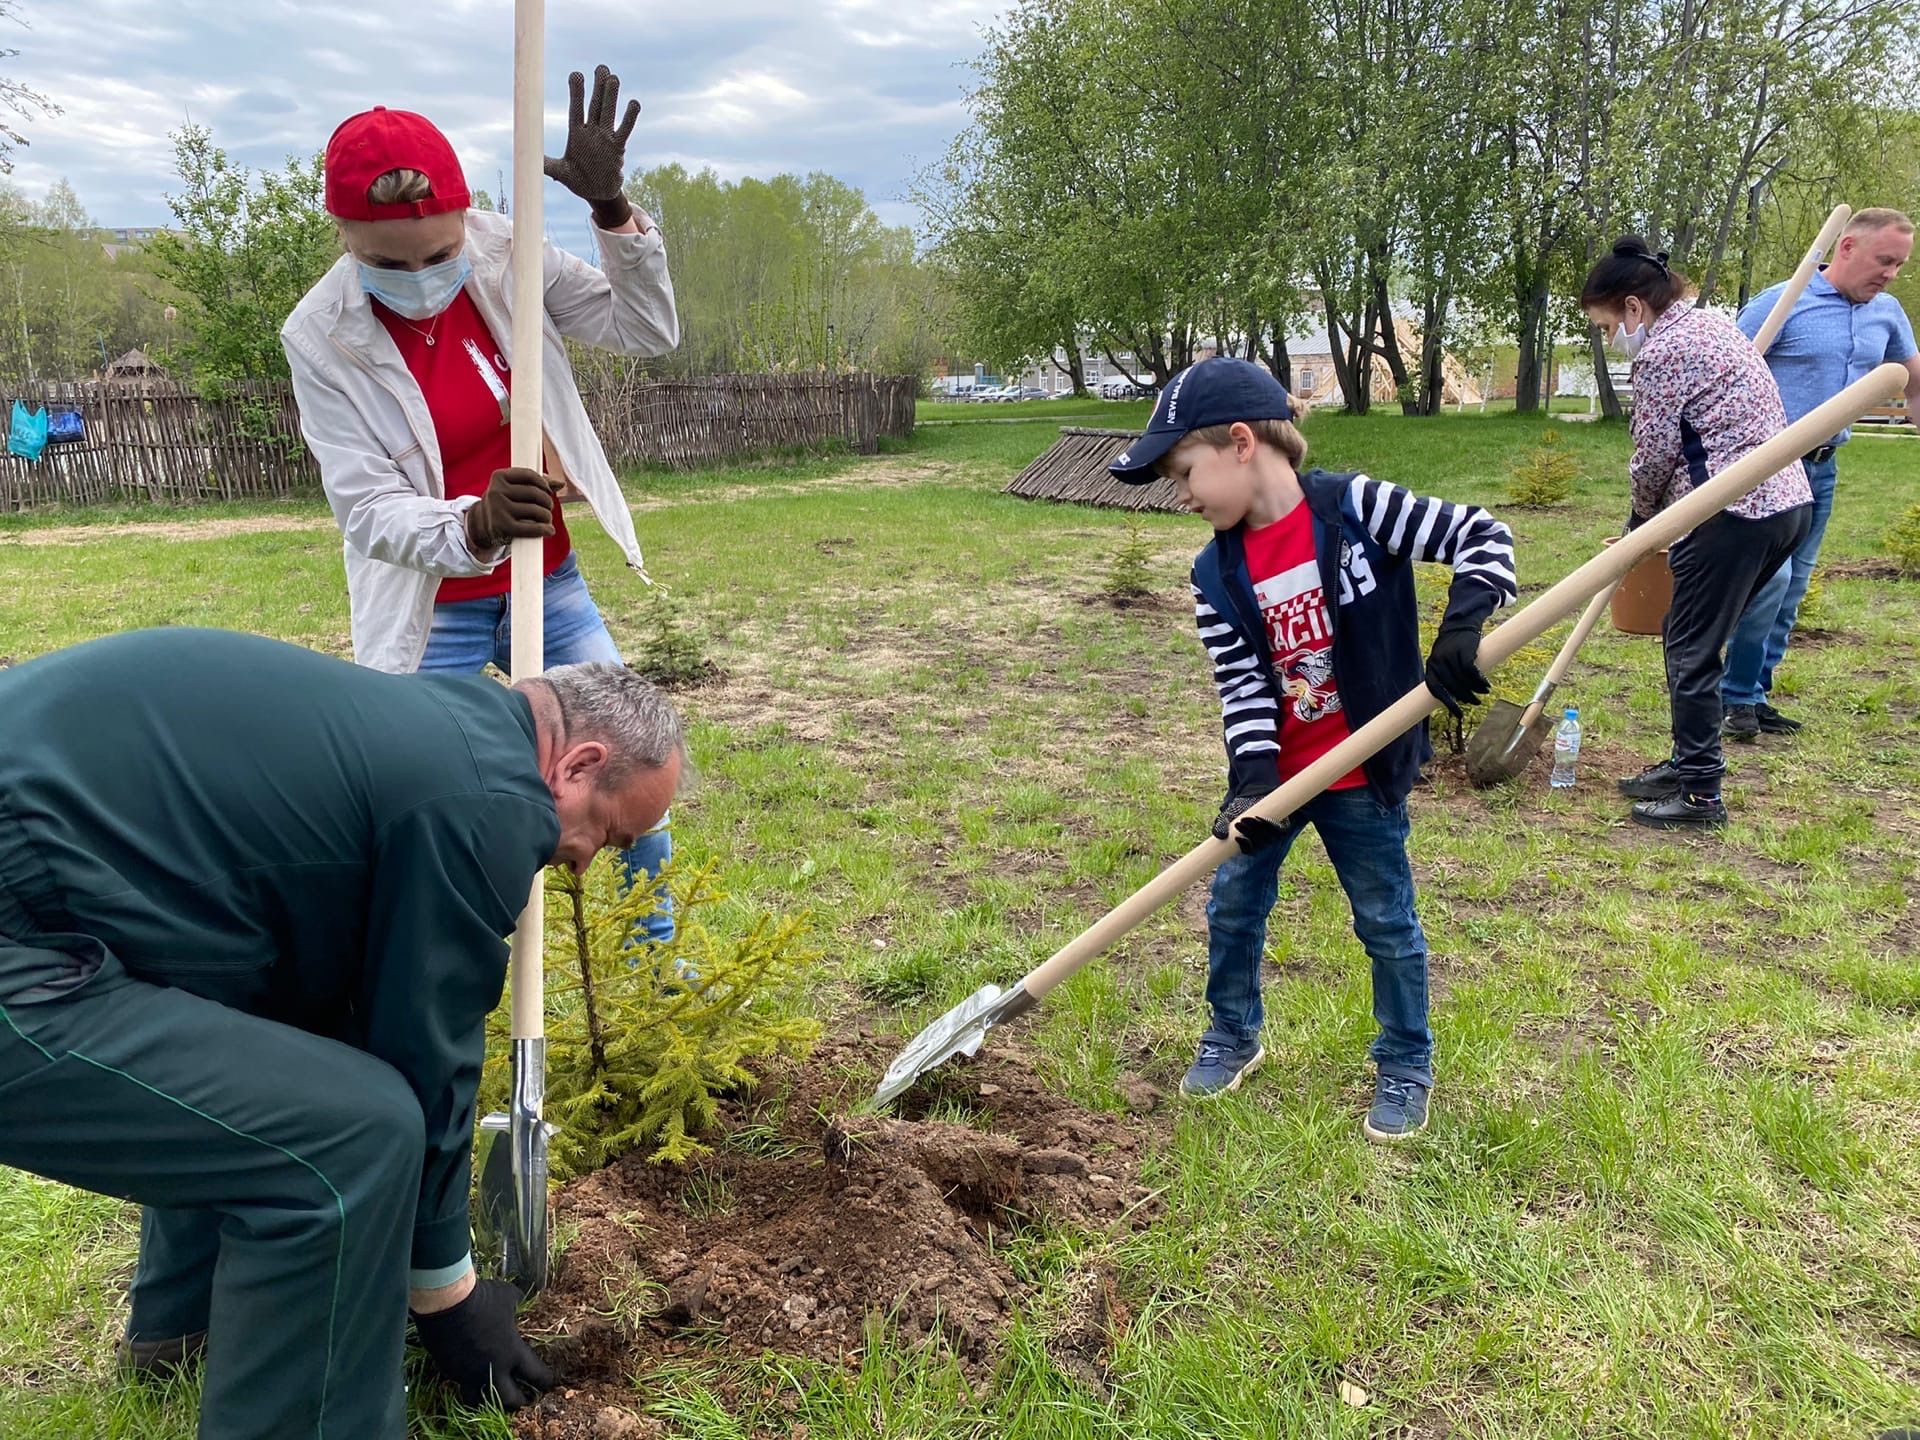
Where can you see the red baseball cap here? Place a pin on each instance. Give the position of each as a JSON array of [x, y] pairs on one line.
[[368, 145]]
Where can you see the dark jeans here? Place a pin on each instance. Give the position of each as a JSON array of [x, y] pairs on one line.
[[1717, 570], [1367, 843]]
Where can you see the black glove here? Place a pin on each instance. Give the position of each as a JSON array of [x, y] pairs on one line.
[[594, 166], [1452, 674], [1634, 521], [477, 1348], [1254, 832], [517, 505]]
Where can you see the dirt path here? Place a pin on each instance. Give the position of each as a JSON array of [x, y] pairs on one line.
[[877, 473]]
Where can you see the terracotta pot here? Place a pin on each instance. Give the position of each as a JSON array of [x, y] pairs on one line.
[[1640, 604]]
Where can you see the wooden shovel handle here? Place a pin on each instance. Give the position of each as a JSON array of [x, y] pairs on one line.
[[1563, 662], [524, 443], [1783, 307], [1599, 573]]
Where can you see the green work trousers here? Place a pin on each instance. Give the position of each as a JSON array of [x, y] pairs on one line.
[[280, 1172]]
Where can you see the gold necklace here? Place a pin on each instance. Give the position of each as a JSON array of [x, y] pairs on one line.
[[426, 334]]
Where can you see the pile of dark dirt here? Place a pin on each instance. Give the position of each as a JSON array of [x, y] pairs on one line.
[[808, 1219]]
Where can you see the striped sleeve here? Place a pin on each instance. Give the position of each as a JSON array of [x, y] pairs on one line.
[[1477, 546], [1249, 710]]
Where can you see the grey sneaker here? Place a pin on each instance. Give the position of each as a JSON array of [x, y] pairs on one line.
[[1681, 811], [1399, 1110], [1653, 783], [159, 1360], [1222, 1064], [1742, 723]]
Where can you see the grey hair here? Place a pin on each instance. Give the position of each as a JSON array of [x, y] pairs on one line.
[[399, 187], [627, 713]]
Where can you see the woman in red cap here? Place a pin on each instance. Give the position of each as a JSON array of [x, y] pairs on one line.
[[401, 366]]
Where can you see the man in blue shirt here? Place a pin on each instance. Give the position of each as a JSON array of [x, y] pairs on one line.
[[1841, 327]]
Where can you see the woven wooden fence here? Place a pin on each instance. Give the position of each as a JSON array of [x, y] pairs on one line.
[[1074, 468], [150, 441]]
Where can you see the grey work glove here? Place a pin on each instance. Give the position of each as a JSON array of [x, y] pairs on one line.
[[477, 1349], [1252, 833], [594, 166], [516, 505]]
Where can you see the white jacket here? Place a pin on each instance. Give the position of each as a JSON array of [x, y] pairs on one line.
[[365, 420]]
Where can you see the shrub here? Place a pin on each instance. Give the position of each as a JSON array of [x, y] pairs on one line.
[[1544, 475], [1903, 542], [1127, 578], [671, 653]]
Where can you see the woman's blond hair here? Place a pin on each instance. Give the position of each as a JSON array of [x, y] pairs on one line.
[[400, 187]]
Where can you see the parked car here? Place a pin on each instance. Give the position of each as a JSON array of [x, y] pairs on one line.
[[1031, 392], [1118, 387]]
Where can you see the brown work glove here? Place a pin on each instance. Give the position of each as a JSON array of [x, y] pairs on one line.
[[594, 164], [517, 505]]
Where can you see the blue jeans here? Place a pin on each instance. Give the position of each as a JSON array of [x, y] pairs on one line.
[[467, 635], [1367, 843], [1760, 643]]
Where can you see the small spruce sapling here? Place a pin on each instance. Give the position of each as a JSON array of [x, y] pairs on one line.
[[636, 1057], [1544, 475]]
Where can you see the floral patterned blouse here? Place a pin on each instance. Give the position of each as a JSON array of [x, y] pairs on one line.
[[1703, 398]]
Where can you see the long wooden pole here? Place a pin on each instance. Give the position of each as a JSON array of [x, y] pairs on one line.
[[1837, 220], [527, 1004]]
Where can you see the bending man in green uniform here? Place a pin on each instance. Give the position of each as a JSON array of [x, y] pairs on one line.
[[252, 902]]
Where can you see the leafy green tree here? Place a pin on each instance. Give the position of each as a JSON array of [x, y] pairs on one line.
[[249, 245]]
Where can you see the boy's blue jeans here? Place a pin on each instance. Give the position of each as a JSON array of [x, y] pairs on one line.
[[1367, 843], [467, 635]]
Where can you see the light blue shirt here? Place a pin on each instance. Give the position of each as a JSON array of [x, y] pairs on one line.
[[1828, 342]]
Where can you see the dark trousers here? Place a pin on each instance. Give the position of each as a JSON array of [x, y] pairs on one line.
[[1717, 570], [280, 1172]]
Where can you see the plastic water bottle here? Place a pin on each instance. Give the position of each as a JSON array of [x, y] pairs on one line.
[[1566, 750]]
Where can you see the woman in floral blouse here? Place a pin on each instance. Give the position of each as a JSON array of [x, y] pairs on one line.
[[1702, 399]]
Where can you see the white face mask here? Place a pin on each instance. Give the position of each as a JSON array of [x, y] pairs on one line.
[[417, 294], [1628, 342]]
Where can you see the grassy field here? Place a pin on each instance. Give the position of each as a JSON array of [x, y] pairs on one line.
[[1672, 1186]]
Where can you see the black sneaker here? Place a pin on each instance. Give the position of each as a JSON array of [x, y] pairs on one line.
[[1656, 782], [1772, 722], [1742, 723], [1681, 811]]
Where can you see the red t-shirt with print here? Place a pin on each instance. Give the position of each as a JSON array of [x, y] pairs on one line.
[[466, 384], [1286, 582]]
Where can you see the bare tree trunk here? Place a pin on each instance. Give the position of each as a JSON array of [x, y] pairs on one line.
[[1531, 332], [1603, 374]]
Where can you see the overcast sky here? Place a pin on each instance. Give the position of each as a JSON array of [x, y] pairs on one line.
[[867, 90]]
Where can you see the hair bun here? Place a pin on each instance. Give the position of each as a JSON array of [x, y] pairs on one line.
[[1632, 247]]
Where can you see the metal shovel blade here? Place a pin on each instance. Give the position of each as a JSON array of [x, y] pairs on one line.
[[958, 1032], [1499, 749], [510, 1231]]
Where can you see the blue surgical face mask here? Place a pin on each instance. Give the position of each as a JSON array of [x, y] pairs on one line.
[[417, 294]]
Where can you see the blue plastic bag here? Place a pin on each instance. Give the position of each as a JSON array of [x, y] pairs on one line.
[[65, 427], [28, 435]]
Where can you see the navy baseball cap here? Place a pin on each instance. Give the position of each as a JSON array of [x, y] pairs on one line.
[[1219, 391]]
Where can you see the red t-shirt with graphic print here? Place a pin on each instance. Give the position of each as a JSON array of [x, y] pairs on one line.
[[467, 386], [1286, 582]]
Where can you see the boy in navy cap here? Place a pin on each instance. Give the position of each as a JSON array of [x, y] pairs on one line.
[[1305, 602]]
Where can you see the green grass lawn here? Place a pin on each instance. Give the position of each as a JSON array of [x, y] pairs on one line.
[[1672, 1185]]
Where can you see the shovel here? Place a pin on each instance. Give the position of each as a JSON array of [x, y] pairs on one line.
[[512, 1223], [1508, 738], [963, 1029]]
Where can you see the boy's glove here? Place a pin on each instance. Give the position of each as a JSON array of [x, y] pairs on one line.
[[594, 166], [517, 505], [1452, 672], [476, 1347], [1253, 833]]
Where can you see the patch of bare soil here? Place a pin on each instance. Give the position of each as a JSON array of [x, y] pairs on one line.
[[808, 1221], [869, 474], [166, 530], [1864, 570]]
